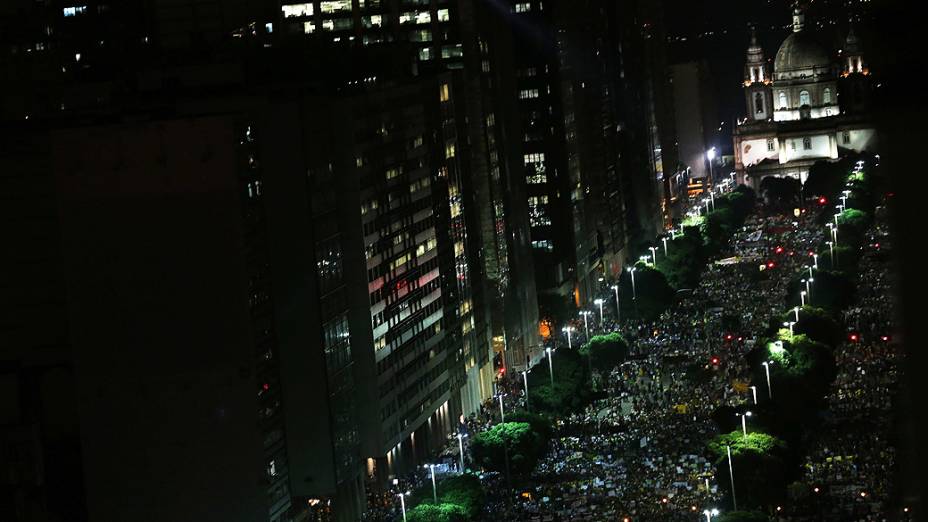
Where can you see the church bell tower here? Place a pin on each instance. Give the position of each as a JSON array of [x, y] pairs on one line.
[[757, 82]]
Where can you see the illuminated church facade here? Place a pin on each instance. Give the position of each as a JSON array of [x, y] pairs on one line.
[[808, 108]]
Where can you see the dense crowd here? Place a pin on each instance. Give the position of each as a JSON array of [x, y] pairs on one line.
[[639, 450]]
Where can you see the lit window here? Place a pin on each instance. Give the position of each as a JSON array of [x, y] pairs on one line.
[[770, 145], [783, 102], [523, 7], [449, 150], [804, 98], [528, 93], [846, 137], [294, 10], [74, 11], [425, 54], [535, 157], [444, 93], [443, 15], [309, 27], [373, 21], [335, 6], [807, 143], [826, 97]]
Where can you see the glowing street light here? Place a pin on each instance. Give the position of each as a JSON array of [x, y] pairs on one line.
[[525, 380], [789, 324], [634, 293], [431, 467], [744, 423], [815, 261], [710, 514], [754, 393], [403, 504], [461, 448], [551, 364], [502, 413], [831, 252], [767, 371], [664, 239], [802, 296], [615, 288], [731, 472], [653, 254], [567, 330], [586, 324], [810, 271], [599, 303], [796, 311]]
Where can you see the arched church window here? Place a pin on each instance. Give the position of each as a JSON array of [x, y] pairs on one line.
[[807, 143], [826, 96], [758, 103], [804, 98], [782, 100]]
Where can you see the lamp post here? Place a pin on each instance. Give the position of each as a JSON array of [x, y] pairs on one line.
[[706, 201], [810, 271], [767, 371], [586, 323], [712, 199], [754, 393], [815, 261], [731, 472], [789, 324], [653, 254], [461, 449], [434, 485], [551, 364], [634, 293], [796, 311], [502, 413], [831, 252], [802, 296], [403, 504], [710, 514], [567, 330], [615, 288], [599, 303], [664, 240], [525, 380], [744, 424], [710, 155]]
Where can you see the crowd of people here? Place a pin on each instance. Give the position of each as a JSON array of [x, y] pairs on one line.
[[638, 451]]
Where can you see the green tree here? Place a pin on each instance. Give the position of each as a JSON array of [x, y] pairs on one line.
[[758, 464], [437, 513], [606, 351], [515, 442], [816, 323], [464, 491]]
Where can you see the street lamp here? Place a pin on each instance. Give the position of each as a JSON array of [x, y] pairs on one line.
[[831, 252], [754, 392], [744, 423], [710, 514], [815, 261], [790, 325], [434, 486], [802, 296], [461, 448], [653, 254], [567, 330], [551, 364], [731, 472], [710, 155], [599, 303], [403, 504], [796, 311], [767, 371], [810, 271], [502, 413], [615, 288], [634, 293], [712, 199], [664, 239], [525, 380], [586, 324]]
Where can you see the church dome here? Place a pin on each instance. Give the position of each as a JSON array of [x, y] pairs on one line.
[[800, 51]]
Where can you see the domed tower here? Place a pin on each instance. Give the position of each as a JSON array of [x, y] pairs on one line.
[[804, 79], [855, 77], [757, 90]]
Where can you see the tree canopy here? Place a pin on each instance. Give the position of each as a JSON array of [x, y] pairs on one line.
[[516, 442], [606, 351]]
